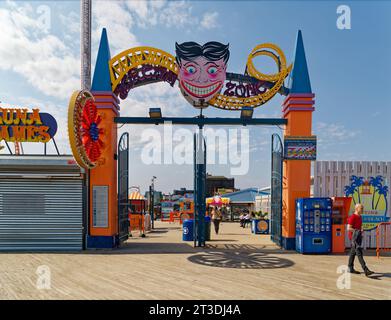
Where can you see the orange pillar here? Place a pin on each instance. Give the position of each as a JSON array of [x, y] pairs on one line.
[[103, 203], [297, 109], [103, 218]]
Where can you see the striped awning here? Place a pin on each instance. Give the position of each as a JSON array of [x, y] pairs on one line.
[[136, 196]]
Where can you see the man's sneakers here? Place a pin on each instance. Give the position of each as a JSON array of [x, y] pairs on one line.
[[354, 271], [368, 272]]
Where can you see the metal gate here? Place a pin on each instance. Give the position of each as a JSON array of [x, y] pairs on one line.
[[41, 203], [123, 187], [199, 189], [276, 189]]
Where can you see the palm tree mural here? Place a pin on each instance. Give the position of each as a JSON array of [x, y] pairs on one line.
[[357, 183], [382, 191], [349, 191], [377, 183]]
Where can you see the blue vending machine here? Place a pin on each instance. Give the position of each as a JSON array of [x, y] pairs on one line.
[[313, 225]]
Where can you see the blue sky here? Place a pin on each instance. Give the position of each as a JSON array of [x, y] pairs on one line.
[[349, 69]]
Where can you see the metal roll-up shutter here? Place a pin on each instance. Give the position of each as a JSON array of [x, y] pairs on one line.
[[41, 214]]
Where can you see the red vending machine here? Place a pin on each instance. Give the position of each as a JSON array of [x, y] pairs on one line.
[[340, 213]]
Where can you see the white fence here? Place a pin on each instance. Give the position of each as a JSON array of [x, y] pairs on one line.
[[331, 177]]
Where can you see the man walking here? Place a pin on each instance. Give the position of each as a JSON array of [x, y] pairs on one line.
[[355, 231], [216, 218]]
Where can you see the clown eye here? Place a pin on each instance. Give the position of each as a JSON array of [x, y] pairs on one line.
[[212, 70], [191, 69]]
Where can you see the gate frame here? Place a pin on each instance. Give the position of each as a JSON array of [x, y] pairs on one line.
[[123, 150], [199, 157], [297, 111], [276, 235]]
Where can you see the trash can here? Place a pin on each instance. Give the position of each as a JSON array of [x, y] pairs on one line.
[[207, 228], [260, 226], [188, 230]]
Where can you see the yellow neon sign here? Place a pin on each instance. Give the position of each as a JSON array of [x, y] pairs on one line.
[[20, 125]]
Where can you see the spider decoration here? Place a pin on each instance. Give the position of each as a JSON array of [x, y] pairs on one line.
[[84, 130]]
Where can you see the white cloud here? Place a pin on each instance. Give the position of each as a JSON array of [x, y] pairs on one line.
[[142, 11], [50, 63], [209, 20], [27, 49], [160, 95], [126, 15], [71, 22], [333, 132], [177, 13], [119, 22], [331, 136]]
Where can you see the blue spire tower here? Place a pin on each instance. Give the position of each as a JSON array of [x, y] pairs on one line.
[[101, 80], [297, 108], [299, 80]]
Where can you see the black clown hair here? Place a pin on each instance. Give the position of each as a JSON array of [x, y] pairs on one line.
[[212, 51]]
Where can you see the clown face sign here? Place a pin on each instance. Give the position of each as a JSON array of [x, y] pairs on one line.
[[202, 70]]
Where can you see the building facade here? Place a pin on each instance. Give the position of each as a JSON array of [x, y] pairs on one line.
[[216, 183], [367, 182]]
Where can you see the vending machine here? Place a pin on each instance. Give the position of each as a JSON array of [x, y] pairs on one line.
[[341, 206], [313, 225]]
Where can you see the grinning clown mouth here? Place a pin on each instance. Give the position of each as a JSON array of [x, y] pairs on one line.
[[201, 91]]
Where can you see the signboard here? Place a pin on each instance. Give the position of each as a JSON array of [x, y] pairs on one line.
[[144, 75], [100, 206], [201, 73], [20, 125], [372, 193], [299, 148]]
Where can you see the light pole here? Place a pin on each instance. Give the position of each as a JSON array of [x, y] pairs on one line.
[[152, 200]]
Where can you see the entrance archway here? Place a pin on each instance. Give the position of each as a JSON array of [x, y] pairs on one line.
[[94, 141]]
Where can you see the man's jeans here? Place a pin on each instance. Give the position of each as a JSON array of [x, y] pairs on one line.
[[356, 250]]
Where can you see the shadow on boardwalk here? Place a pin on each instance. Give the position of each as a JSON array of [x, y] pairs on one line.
[[240, 260], [238, 256]]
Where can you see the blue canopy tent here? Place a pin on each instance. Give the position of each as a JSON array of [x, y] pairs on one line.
[[243, 200]]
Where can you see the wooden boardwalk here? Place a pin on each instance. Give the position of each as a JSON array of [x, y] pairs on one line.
[[235, 265]]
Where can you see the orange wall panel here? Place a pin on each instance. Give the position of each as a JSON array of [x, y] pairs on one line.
[[296, 184], [299, 123]]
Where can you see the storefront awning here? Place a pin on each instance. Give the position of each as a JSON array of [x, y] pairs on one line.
[[136, 196], [217, 201]]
